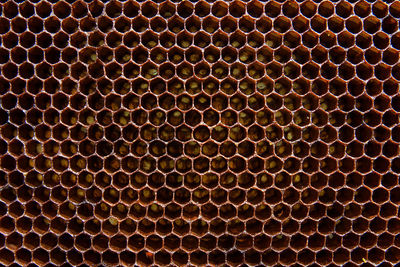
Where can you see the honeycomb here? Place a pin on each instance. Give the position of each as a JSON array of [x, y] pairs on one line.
[[190, 133]]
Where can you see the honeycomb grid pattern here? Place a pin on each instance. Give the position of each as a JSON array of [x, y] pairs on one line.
[[196, 133]]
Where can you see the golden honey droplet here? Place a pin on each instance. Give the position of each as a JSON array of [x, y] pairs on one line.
[[71, 206], [39, 177], [103, 207], [179, 222], [48, 164], [81, 193], [297, 178], [113, 221], [154, 207], [80, 163], [121, 208], [89, 178], [90, 120], [235, 44]]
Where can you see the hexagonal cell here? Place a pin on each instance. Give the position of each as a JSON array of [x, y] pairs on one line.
[[237, 39], [193, 24]]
